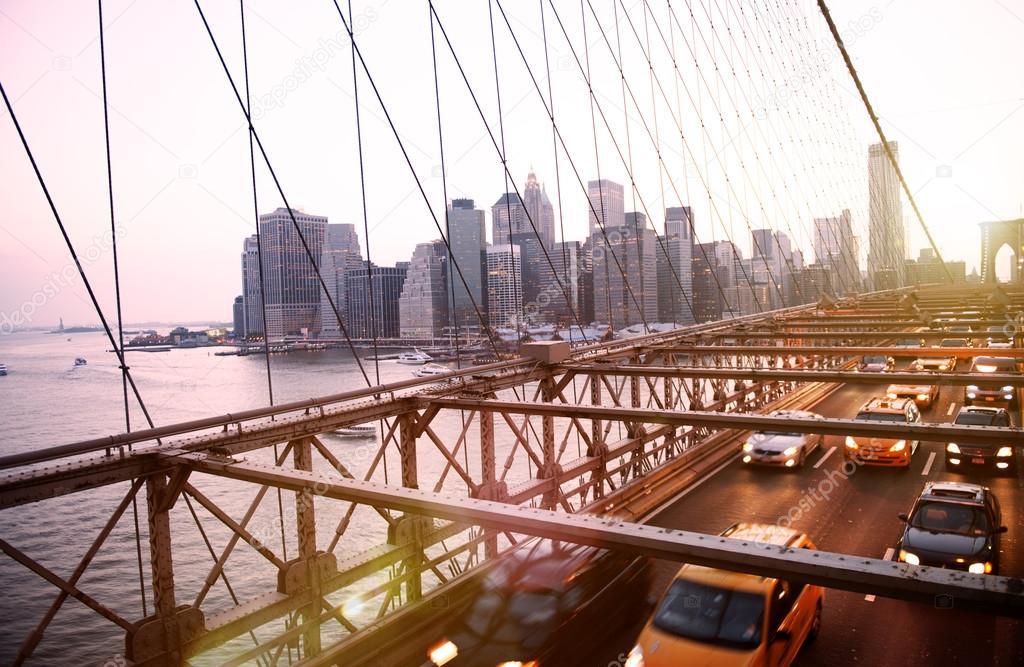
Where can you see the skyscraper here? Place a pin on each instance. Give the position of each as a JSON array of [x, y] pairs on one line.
[[468, 239], [606, 200], [341, 252], [835, 246], [508, 216], [504, 289], [238, 316], [379, 318], [886, 234], [252, 298], [423, 305], [675, 267], [537, 204], [293, 290], [625, 273], [571, 273]]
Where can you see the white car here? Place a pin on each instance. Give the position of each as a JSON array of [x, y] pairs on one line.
[[938, 364], [780, 447]]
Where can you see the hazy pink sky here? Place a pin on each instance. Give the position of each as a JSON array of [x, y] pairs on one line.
[[945, 77]]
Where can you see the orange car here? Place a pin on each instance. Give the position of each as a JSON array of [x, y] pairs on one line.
[[884, 451], [717, 617]]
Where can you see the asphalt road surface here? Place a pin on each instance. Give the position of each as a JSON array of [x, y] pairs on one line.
[[858, 516]]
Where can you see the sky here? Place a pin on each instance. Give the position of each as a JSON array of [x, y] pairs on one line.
[[756, 124]]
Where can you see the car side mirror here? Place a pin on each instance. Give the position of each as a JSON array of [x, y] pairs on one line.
[[903, 517], [1000, 529]]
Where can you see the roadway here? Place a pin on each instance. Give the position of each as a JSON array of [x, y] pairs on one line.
[[858, 515]]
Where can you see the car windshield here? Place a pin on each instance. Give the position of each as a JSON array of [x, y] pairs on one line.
[[950, 518], [874, 359], [953, 342], [975, 418], [712, 615], [994, 364], [882, 416], [504, 615]]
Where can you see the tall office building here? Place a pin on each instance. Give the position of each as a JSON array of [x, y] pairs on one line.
[[770, 259], [238, 316], [886, 234], [571, 272], [835, 247], [379, 318], [340, 254], [718, 268], [536, 271], [252, 298], [504, 289], [675, 267], [625, 273], [423, 305], [508, 217], [537, 204], [607, 201], [468, 239], [292, 288]]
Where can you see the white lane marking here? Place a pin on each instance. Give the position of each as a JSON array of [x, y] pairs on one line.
[[888, 554], [952, 407], [928, 464], [825, 456], [672, 501]]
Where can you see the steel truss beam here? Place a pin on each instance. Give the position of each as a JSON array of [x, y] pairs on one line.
[[827, 350], [753, 422], [986, 593], [761, 374]]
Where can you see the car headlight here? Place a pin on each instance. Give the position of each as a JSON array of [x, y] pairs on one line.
[[790, 451], [747, 447], [980, 568], [443, 653], [922, 397], [943, 367], [635, 657], [892, 394], [899, 446], [972, 387], [909, 558], [1008, 389], [516, 663], [1005, 451], [850, 442], [952, 448]]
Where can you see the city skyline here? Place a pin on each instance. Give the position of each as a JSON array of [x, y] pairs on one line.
[[175, 181]]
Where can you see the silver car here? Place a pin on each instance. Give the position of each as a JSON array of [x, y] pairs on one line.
[[780, 447]]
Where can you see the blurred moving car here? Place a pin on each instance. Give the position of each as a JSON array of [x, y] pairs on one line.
[[957, 342], [933, 364], [992, 392], [717, 617], [884, 451], [922, 394], [781, 447], [909, 344], [953, 525], [997, 457], [876, 363], [542, 602], [998, 334]]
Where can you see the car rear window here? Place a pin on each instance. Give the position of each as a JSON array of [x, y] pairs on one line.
[[712, 615], [995, 365], [976, 418], [874, 359], [882, 416]]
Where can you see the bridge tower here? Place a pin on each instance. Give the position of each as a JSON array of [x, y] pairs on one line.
[[994, 235]]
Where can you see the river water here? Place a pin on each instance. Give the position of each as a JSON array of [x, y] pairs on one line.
[[46, 401]]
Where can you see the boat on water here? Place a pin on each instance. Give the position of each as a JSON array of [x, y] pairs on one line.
[[3, 369], [414, 358], [80, 361], [431, 370], [357, 431]]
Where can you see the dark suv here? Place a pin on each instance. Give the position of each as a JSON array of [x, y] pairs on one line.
[[953, 525], [999, 457], [545, 602], [992, 392]]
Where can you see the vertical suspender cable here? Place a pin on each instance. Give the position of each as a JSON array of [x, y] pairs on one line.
[[117, 297]]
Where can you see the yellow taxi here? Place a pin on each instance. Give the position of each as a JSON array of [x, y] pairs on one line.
[[884, 451], [922, 394], [716, 617]]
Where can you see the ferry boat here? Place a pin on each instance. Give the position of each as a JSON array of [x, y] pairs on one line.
[[357, 431], [414, 358], [80, 361], [431, 370]]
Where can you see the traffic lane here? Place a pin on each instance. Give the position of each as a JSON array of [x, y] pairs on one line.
[[850, 513]]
